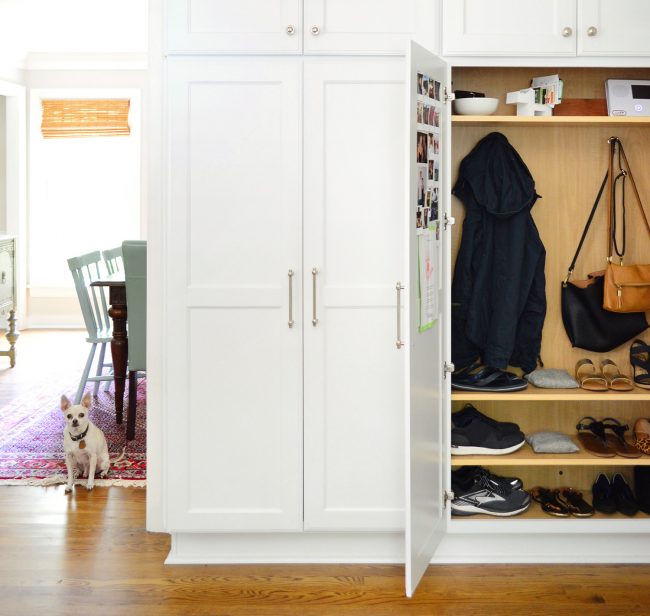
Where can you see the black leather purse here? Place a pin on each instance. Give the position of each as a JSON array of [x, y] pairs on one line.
[[588, 325]]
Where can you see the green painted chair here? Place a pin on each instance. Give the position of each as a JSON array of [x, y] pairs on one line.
[[113, 259], [134, 254], [94, 308]]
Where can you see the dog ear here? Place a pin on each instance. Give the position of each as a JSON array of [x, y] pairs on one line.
[[86, 400], [65, 403]]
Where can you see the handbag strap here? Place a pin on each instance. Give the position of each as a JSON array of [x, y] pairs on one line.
[[624, 171], [586, 230]]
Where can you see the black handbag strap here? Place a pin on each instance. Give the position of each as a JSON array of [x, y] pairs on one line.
[[586, 229]]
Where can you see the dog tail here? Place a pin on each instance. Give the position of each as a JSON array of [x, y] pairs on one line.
[[119, 458]]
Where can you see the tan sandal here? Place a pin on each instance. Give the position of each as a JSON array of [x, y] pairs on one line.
[[642, 434], [613, 377], [588, 377]]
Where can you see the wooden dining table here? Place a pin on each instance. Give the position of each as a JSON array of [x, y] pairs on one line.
[[119, 344]]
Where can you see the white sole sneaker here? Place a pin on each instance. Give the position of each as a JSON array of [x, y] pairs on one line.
[[466, 450], [472, 510]]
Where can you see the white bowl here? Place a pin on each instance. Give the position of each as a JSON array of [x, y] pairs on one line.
[[476, 106]]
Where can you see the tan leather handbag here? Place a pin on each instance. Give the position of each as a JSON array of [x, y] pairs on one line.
[[627, 287]]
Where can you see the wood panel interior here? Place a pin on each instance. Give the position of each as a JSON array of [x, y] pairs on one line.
[[568, 164]]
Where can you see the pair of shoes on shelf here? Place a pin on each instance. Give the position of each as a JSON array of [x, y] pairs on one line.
[[608, 377], [562, 502], [610, 497], [640, 358], [472, 432], [642, 487], [477, 490], [605, 438], [478, 377]]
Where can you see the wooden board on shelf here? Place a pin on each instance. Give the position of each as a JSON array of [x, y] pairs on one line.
[[546, 121], [527, 457], [570, 395]]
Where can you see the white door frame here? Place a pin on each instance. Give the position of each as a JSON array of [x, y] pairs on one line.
[[16, 183]]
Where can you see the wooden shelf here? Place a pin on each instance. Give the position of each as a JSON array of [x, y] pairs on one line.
[[489, 120], [527, 457], [570, 395]]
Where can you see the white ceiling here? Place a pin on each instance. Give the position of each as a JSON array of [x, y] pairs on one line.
[[71, 27]]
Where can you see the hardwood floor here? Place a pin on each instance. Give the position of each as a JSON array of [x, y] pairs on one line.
[[88, 553]]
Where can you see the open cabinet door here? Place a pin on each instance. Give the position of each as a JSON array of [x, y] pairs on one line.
[[426, 335]]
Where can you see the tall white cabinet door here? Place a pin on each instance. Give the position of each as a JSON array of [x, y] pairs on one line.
[[233, 372], [426, 311], [241, 26], [613, 28], [509, 28], [368, 26], [354, 145]]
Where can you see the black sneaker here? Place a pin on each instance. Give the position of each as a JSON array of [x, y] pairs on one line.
[[466, 475], [603, 495], [487, 496], [479, 435], [625, 501], [469, 412]]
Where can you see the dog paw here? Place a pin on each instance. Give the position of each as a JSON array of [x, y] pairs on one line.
[[68, 489], [90, 486]]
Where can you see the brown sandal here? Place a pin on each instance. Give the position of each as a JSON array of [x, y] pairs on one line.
[[592, 437], [588, 377], [642, 434], [617, 440], [613, 377]]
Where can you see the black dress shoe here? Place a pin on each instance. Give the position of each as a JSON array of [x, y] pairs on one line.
[[625, 501], [642, 487], [603, 495]]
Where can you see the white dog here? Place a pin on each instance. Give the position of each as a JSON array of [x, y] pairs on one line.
[[84, 443]]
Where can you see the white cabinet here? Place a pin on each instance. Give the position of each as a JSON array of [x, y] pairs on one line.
[[546, 28], [233, 364], [236, 229], [278, 26]]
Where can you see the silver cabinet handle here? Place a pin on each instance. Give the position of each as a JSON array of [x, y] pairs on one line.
[[567, 31], [315, 30], [399, 288], [592, 31], [314, 320], [290, 29], [290, 322]]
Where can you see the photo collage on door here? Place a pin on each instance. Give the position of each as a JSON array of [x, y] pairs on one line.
[[428, 153], [427, 223]]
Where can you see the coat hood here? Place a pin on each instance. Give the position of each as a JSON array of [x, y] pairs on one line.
[[495, 178]]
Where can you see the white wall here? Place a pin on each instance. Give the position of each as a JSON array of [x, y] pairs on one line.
[[3, 165]]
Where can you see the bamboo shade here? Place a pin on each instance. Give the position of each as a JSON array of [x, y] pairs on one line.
[[85, 118]]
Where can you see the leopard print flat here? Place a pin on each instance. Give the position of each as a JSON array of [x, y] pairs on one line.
[[642, 434]]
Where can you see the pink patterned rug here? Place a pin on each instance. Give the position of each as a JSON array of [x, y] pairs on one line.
[[31, 440]]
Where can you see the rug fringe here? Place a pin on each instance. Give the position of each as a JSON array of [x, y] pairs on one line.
[[61, 480]]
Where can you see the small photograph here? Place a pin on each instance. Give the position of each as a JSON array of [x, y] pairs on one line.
[[431, 88], [425, 217], [429, 199], [434, 202], [436, 117], [420, 83], [434, 212], [420, 113], [418, 219], [431, 116], [422, 183], [436, 144], [421, 148], [425, 119], [430, 145], [436, 170], [438, 231], [431, 170], [436, 90], [425, 86]]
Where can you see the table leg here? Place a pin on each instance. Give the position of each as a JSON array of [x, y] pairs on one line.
[[119, 345]]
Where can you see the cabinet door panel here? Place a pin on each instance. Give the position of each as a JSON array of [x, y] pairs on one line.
[[354, 237], [370, 26], [234, 367], [243, 26], [621, 28], [508, 28]]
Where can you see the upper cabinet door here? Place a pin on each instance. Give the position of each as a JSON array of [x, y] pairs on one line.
[[426, 309], [613, 28], [369, 26], [244, 26], [510, 27]]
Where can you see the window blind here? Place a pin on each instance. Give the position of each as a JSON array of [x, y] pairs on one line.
[[107, 117]]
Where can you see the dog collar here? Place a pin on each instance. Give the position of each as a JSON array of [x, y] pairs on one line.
[[80, 436]]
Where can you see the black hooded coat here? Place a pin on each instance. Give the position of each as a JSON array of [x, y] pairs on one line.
[[498, 293]]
